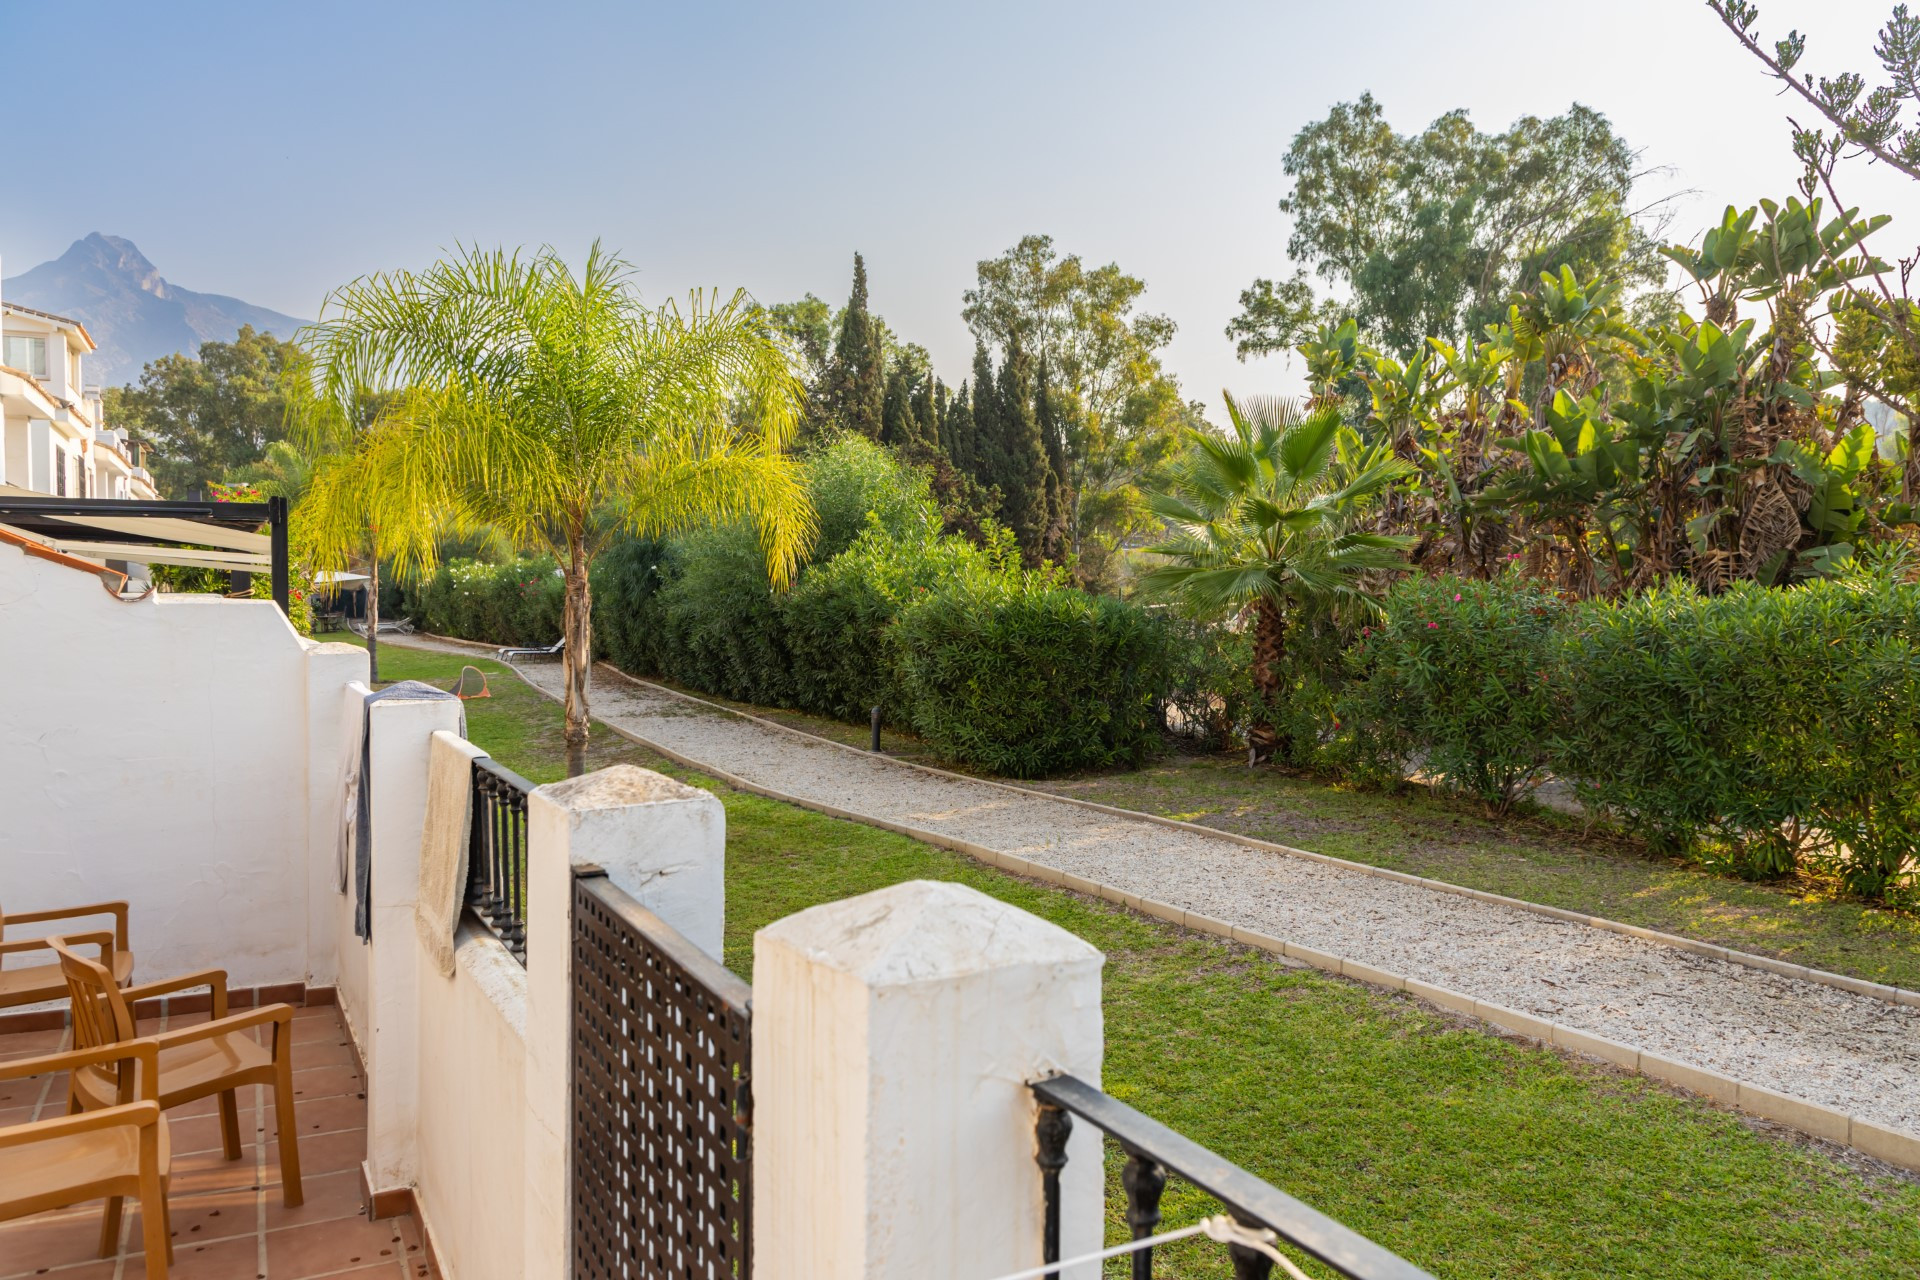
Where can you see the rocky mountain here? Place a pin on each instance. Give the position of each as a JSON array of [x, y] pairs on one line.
[[131, 310]]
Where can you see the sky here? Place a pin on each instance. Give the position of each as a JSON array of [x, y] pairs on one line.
[[272, 151]]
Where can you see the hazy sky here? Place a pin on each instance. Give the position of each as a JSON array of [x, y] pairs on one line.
[[271, 151]]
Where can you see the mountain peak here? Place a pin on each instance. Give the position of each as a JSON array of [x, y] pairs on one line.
[[131, 310], [118, 255]]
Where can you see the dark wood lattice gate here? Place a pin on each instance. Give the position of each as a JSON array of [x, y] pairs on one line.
[[662, 1110]]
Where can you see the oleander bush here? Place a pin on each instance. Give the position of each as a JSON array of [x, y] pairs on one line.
[[838, 617], [513, 602], [1024, 676], [1454, 679], [1767, 729]]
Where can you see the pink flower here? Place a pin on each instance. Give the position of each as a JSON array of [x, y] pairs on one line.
[[1456, 597], [1432, 625]]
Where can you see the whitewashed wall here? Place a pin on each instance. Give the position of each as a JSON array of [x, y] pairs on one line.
[[471, 1178], [167, 752]]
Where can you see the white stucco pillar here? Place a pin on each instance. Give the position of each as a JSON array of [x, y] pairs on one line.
[[329, 669], [664, 843], [894, 1035], [399, 730]]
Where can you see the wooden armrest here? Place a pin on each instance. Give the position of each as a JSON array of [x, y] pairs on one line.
[[221, 1026], [118, 910], [140, 1114], [145, 1051], [214, 978], [103, 940]]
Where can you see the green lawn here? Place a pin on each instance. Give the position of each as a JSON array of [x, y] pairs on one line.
[[1470, 1154], [1546, 858]]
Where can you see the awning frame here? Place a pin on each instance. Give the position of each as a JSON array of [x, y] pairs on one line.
[[64, 521]]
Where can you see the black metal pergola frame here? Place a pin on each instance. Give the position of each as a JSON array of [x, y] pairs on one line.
[[63, 518]]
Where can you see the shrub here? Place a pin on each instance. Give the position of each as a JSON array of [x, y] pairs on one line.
[[515, 602], [837, 618], [1024, 677], [855, 483], [1772, 725], [718, 619], [1455, 678], [627, 579]]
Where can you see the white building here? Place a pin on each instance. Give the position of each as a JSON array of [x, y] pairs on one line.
[[54, 439]]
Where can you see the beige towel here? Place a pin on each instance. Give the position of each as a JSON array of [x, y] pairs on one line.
[[443, 844]]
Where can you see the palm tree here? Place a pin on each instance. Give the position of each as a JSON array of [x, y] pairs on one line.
[[354, 507], [558, 410], [1267, 518]]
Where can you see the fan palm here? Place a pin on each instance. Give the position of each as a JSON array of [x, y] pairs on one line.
[[558, 410], [1267, 518]]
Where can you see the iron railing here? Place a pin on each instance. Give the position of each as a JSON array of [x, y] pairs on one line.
[[1153, 1151], [497, 853], [662, 1104]]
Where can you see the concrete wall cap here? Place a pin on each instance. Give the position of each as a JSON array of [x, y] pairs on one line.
[[924, 930], [616, 787]]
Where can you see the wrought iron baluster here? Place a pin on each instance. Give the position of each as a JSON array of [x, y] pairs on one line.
[[1144, 1179], [1051, 1130], [1249, 1264], [515, 933]]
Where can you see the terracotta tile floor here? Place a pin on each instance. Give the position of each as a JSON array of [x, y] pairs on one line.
[[228, 1222]]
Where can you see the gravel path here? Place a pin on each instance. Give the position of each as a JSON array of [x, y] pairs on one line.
[[1847, 1051]]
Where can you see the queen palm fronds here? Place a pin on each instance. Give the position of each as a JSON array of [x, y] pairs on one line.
[[557, 409]]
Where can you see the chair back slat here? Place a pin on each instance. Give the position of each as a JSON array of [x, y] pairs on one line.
[[100, 1013]]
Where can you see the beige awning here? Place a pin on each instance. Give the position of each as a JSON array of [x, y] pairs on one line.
[[140, 553], [207, 535]]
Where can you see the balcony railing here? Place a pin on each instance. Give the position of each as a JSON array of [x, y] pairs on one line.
[[1154, 1151], [497, 854]]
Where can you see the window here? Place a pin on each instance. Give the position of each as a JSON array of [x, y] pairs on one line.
[[29, 355], [59, 472]]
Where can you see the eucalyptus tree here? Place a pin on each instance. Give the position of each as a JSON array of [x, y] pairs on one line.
[[556, 409], [1267, 518]]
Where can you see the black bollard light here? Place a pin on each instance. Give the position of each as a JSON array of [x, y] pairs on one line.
[[876, 729]]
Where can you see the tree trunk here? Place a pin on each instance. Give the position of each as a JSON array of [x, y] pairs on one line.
[[373, 614], [577, 654], [1269, 652]]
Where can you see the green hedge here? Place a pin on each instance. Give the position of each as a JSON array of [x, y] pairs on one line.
[[515, 602], [1765, 727], [1456, 681], [1025, 678], [1761, 730], [838, 617]]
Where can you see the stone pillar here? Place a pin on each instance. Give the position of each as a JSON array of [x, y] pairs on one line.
[[399, 730], [894, 1035], [664, 843]]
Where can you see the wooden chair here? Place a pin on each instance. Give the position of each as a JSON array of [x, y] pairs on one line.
[[196, 1062], [33, 983], [116, 1151]]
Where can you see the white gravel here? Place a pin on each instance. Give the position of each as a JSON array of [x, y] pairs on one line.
[[1847, 1051]]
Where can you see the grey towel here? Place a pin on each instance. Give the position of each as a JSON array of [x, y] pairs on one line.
[[403, 691]]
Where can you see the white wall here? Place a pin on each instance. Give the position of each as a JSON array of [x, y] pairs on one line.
[[471, 1178], [159, 751]]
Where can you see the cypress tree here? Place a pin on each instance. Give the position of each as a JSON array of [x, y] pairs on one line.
[[983, 453], [1023, 460], [896, 413], [957, 435], [855, 384], [924, 404]]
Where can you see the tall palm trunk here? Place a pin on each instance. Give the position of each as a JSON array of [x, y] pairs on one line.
[[577, 653], [373, 609], [1264, 739]]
